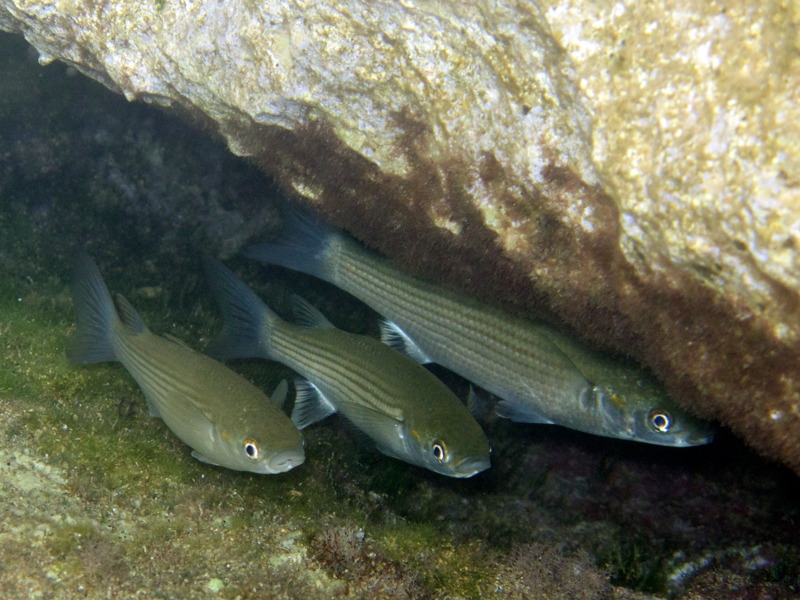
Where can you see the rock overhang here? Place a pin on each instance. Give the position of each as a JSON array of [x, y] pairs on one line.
[[624, 193]]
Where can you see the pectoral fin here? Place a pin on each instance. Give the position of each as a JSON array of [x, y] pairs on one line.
[[519, 413], [202, 458], [372, 418], [178, 341]]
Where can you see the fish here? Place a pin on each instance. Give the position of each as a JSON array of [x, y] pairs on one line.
[[513, 357], [632, 401], [226, 420], [402, 407]]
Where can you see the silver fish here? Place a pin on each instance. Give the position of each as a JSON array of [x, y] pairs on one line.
[[512, 357], [630, 401], [225, 419], [404, 408]]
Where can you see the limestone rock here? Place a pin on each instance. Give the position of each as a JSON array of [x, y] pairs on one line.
[[696, 114], [647, 195]]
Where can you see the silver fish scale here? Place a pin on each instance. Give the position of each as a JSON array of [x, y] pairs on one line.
[[150, 375], [507, 356], [325, 364]]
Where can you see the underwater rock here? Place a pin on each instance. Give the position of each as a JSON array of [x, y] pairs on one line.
[[669, 233], [696, 135]]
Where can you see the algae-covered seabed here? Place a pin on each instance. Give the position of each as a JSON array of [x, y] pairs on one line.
[[99, 500]]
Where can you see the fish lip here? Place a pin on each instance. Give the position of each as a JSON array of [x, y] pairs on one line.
[[471, 465], [285, 460], [699, 439], [685, 441]]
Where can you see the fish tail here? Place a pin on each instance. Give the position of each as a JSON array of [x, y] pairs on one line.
[[247, 321], [301, 245], [93, 339]]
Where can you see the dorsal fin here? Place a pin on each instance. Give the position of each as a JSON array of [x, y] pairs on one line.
[[308, 315], [178, 341], [128, 315]]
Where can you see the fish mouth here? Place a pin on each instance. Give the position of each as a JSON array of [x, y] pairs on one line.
[[472, 465], [697, 435], [680, 439], [699, 439], [285, 460]]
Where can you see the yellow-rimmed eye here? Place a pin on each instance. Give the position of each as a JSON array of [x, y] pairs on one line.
[[439, 451], [660, 420], [251, 449]]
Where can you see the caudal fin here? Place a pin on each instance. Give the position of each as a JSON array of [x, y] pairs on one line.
[[301, 244], [245, 330], [91, 341]]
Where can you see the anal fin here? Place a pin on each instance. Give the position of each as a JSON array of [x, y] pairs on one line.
[[152, 409], [278, 395]]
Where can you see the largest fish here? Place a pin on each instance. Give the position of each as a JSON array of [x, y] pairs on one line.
[[404, 408], [515, 358], [225, 419]]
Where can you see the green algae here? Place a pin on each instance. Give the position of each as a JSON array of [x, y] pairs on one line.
[[635, 563], [134, 505], [91, 423], [138, 504]]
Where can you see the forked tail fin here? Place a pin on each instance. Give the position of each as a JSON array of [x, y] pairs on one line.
[[92, 340], [301, 244]]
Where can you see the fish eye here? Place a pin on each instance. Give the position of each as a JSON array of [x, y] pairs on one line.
[[660, 420], [439, 451], [251, 449]]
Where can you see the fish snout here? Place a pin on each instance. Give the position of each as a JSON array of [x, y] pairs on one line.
[[472, 465], [285, 460], [700, 437]]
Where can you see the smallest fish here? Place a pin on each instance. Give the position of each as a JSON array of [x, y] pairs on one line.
[[225, 419]]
